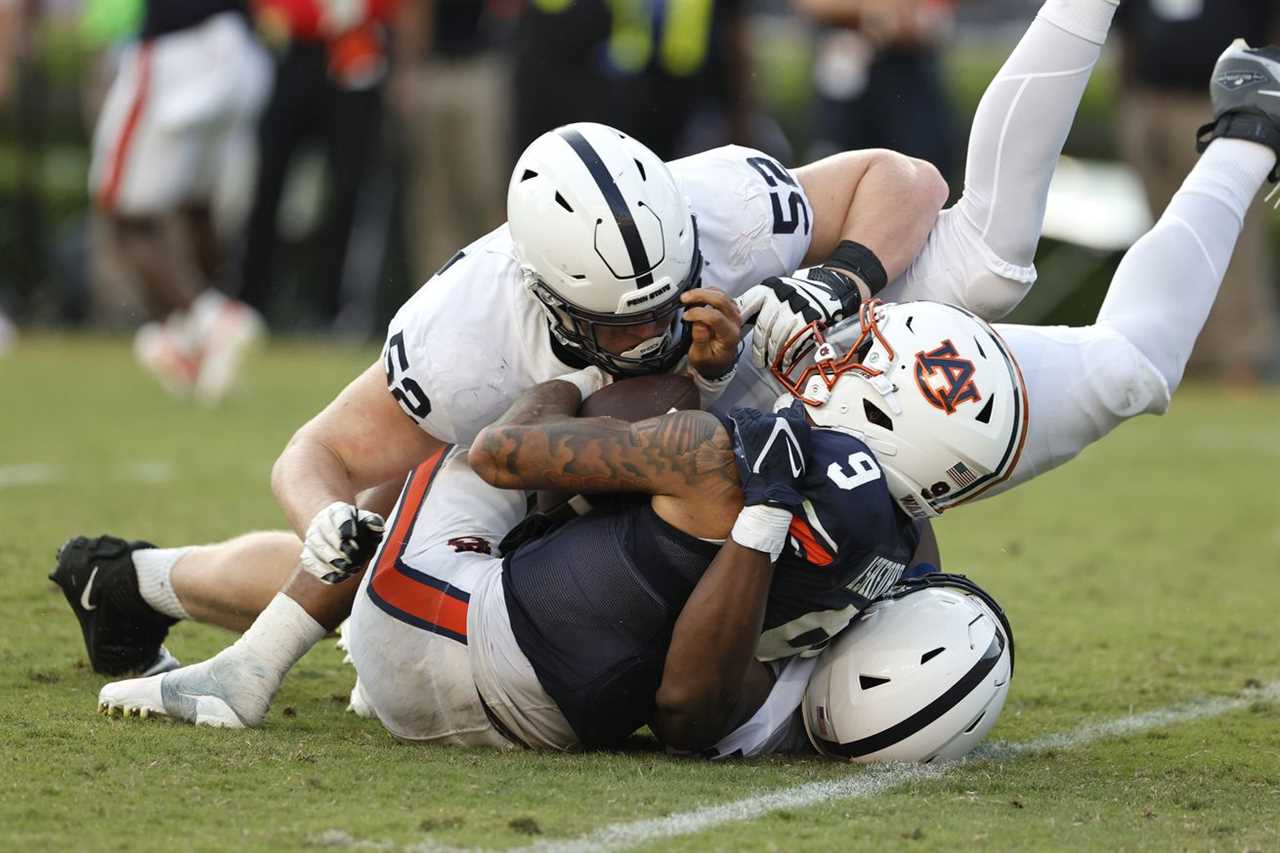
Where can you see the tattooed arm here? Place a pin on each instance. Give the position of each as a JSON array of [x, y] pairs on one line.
[[683, 459]]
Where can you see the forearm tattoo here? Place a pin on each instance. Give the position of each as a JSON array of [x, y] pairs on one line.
[[677, 453]]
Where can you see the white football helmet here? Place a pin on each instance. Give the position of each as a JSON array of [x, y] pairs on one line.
[[921, 674], [605, 238], [930, 388]]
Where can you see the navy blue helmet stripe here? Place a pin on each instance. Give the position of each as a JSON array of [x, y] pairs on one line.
[[622, 215]]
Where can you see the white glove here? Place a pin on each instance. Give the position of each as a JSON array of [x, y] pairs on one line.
[[783, 305], [340, 540]]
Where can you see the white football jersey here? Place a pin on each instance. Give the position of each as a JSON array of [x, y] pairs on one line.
[[473, 338], [776, 727]]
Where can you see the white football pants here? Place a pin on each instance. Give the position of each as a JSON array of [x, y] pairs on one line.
[[1081, 382]]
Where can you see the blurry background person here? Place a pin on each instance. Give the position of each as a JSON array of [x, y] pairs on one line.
[[672, 73], [332, 58], [878, 78], [451, 85], [1169, 49], [176, 120], [21, 86]]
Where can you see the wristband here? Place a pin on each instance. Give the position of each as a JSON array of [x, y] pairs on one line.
[[762, 528], [857, 259], [709, 390], [588, 380]]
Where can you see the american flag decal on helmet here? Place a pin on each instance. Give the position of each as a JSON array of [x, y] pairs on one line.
[[961, 475]]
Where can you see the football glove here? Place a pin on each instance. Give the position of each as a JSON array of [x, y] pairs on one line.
[[782, 306], [770, 452], [340, 540]]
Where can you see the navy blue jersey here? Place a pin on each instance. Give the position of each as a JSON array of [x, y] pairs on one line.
[[594, 602], [852, 545], [592, 606]]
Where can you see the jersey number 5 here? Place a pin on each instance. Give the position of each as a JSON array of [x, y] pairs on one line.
[[784, 222], [862, 469], [406, 390]]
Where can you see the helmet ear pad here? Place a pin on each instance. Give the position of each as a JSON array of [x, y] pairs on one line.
[[599, 222]]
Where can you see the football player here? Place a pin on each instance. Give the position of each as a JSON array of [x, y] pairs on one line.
[[564, 641], [611, 258], [178, 118], [1083, 382]]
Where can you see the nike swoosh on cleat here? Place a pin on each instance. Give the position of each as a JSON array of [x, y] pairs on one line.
[[84, 596]]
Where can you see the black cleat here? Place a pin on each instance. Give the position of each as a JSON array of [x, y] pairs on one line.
[[1246, 97], [122, 633]]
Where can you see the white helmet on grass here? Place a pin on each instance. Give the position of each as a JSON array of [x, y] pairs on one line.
[[605, 239], [920, 675], [930, 388]]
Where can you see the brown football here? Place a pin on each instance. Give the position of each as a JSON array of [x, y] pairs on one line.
[[632, 400], [642, 397]]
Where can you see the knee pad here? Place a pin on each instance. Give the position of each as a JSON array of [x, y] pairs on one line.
[[993, 296], [988, 285], [1122, 379]]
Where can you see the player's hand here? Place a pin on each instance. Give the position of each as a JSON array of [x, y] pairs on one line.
[[782, 306], [715, 324], [340, 540], [771, 452]]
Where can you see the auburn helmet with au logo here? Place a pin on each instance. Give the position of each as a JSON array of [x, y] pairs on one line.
[[930, 388]]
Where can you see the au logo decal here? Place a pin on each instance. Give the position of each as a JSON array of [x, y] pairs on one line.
[[946, 379]]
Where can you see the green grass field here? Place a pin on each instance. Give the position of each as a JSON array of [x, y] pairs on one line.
[[1142, 576]]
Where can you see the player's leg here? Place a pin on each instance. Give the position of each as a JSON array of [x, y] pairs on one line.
[[1082, 383], [234, 688], [142, 590], [981, 251], [423, 631]]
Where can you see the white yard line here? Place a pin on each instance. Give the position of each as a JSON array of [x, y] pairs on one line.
[[33, 474], [143, 471], [873, 781]]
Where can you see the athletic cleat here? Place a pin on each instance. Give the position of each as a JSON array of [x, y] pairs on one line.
[[360, 704], [122, 634], [162, 352], [230, 690], [1246, 97], [233, 331]]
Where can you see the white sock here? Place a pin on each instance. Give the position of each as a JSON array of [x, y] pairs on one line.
[[281, 635], [1089, 19], [153, 567]]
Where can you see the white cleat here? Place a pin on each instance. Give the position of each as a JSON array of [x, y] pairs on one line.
[[232, 333], [162, 352], [360, 704], [140, 696], [229, 690]]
